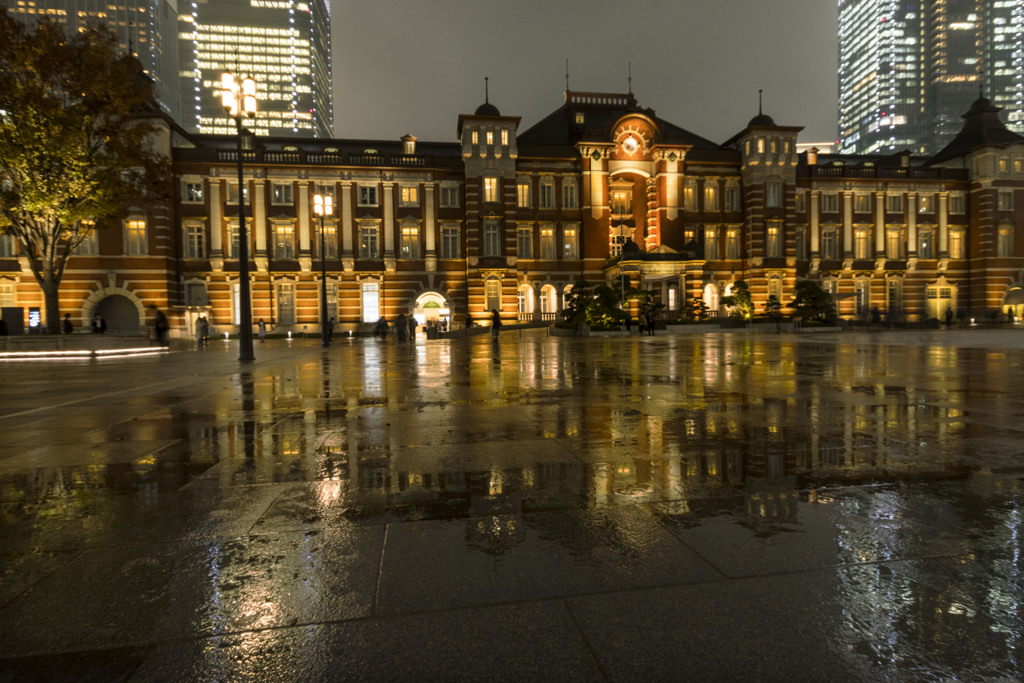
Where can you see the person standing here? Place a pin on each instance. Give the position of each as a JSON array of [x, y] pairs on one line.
[[98, 324], [261, 326], [160, 325], [412, 328], [400, 327], [495, 323], [68, 325]]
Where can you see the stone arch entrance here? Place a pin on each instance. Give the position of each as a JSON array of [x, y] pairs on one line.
[[431, 308], [121, 314]]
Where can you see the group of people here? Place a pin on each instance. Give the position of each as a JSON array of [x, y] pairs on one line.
[[645, 324], [405, 328]]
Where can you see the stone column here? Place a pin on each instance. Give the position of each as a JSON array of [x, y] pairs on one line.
[[911, 223], [847, 224], [345, 226], [879, 224], [429, 227], [303, 215], [815, 206], [942, 199], [216, 221], [259, 217], [387, 198]]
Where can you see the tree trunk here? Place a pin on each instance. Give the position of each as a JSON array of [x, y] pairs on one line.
[[51, 302]]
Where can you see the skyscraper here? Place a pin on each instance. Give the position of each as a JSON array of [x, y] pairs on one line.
[[146, 28], [283, 44], [909, 70]]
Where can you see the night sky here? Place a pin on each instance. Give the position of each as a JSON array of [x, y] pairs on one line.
[[412, 66]]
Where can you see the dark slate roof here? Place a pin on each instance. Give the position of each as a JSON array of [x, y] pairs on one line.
[[600, 116], [487, 109], [982, 128], [761, 120]]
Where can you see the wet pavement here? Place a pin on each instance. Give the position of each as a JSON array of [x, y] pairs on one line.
[[677, 507]]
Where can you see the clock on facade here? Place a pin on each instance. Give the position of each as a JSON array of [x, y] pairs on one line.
[[630, 144]]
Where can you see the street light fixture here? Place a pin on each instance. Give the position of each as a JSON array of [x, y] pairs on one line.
[[239, 99], [323, 205]]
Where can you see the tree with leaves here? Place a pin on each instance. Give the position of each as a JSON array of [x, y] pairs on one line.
[[596, 305], [697, 310], [74, 143], [813, 303], [740, 301]]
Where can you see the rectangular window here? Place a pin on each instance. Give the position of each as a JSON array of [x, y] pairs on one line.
[[620, 203], [368, 235], [894, 244], [410, 242], [490, 137], [862, 203], [135, 237], [524, 243], [474, 137], [773, 244], [233, 193], [957, 203], [926, 203], [894, 203], [233, 238], [569, 200], [450, 197], [192, 193], [327, 190], [450, 242], [492, 238], [800, 235], [370, 298], [8, 295], [547, 194], [710, 244], [732, 198], [492, 294], [330, 240], [690, 196], [956, 244], [284, 241], [828, 244], [1005, 200], [523, 194], [861, 243], [800, 199], [615, 244], [863, 296], [773, 194], [195, 240], [7, 246], [490, 190], [894, 297], [732, 243], [711, 196], [286, 304], [504, 136], [547, 244], [367, 195], [1004, 246], [281, 193], [830, 202], [926, 244], [570, 244], [409, 195], [332, 300]]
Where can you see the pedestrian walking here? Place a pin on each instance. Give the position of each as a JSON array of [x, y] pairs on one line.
[[202, 330], [495, 323], [160, 325], [401, 328], [381, 330], [949, 317], [649, 323], [69, 327], [412, 328], [261, 328], [629, 324], [876, 319]]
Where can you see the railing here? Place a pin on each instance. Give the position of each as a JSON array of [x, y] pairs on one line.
[[896, 172], [315, 158]]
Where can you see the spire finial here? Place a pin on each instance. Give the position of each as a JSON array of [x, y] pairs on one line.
[[566, 75], [759, 112], [630, 78], [487, 92], [981, 82]]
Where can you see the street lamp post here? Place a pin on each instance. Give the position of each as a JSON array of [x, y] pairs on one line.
[[240, 100], [323, 205]]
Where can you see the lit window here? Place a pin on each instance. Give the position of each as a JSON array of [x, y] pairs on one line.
[[409, 195], [926, 203], [732, 243], [286, 303], [492, 238], [828, 244], [523, 194], [1004, 247], [8, 293], [284, 241], [330, 239], [332, 300], [579, 118], [492, 294], [711, 196], [760, 145], [281, 193], [474, 137], [894, 243], [956, 244], [367, 195], [926, 244], [490, 189], [504, 136], [690, 195], [621, 200], [370, 300], [490, 137], [233, 193], [135, 237], [710, 244], [861, 243], [862, 203], [547, 243], [773, 246], [570, 244], [410, 242]]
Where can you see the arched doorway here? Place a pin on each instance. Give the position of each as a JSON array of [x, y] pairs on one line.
[[121, 314], [431, 308], [711, 299], [1013, 302]]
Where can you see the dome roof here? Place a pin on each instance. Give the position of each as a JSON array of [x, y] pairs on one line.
[[761, 120], [487, 109]]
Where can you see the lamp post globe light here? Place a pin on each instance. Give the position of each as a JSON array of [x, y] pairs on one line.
[[239, 99], [323, 205]]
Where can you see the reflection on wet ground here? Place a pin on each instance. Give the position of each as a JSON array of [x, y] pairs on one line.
[[730, 506]]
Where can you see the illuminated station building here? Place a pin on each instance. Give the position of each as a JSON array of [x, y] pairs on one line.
[[908, 70], [283, 44], [602, 189]]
